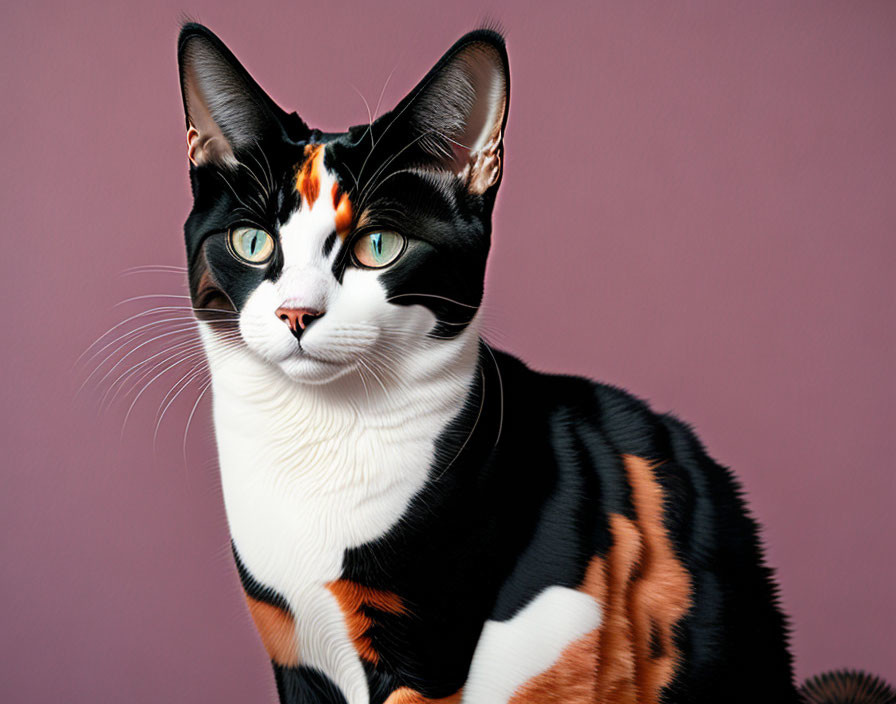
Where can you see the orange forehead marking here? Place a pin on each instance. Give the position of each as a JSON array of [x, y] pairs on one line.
[[343, 208], [308, 178]]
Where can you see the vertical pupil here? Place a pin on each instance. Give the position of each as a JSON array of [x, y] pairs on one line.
[[253, 243], [378, 244]]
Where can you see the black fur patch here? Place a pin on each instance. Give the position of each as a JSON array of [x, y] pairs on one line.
[[306, 685]]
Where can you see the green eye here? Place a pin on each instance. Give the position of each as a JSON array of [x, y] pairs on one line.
[[378, 249], [251, 244]]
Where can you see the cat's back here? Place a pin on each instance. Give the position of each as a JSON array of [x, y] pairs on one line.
[[642, 574]]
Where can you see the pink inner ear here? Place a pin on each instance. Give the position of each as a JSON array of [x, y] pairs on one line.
[[460, 154], [192, 144]]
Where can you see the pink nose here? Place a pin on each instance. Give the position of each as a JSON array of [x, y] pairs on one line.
[[298, 318]]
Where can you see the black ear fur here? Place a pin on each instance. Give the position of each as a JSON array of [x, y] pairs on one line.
[[225, 109], [458, 112]]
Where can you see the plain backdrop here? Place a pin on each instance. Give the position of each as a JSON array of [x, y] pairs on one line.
[[698, 205]]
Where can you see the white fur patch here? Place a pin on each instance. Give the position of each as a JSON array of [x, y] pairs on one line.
[[510, 653]]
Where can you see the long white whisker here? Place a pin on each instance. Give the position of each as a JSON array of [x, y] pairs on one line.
[[500, 390], [188, 323], [145, 387], [359, 369], [127, 320], [432, 295], [138, 375], [366, 104], [190, 376], [264, 190], [190, 417], [180, 330], [376, 378], [267, 173], [130, 333], [155, 269], [185, 351], [141, 345], [151, 295], [472, 430], [371, 186], [235, 195], [392, 122]]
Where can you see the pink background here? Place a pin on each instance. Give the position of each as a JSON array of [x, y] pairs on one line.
[[698, 205]]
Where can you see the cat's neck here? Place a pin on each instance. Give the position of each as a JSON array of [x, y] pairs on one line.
[[378, 407]]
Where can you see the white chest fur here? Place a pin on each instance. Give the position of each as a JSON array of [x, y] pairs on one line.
[[308, 472]]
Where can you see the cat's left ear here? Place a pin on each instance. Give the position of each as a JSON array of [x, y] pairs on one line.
[[226, 110], [459, 110]]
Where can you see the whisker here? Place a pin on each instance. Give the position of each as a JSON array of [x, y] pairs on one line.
[[151, 295], [392, 122], [267, 173], [190, 417], [190, 376], [155, 269], [376, 378], [240, 200], [432, 295], [363, 383], [127, 320], [472, 430], [379, 100], [264, 190], [178, 331], [181, 331], [500, 391], [187, 350], [136, 330], [370, 187], [142, 391], [366, 104]]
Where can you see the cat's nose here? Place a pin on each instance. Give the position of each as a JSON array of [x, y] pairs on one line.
[[298, 318]]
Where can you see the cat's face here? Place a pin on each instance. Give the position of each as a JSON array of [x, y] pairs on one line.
[[330, 251]]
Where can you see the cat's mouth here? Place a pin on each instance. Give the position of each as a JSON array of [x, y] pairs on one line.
[[317, 361], [324, 351], [308, 368]]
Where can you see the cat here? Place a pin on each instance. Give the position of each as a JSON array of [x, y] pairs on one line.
[[415, 516]]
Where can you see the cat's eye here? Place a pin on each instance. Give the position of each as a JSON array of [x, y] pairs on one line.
[[252, 245], [378, 249]]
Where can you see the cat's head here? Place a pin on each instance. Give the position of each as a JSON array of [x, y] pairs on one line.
[[333, 248]]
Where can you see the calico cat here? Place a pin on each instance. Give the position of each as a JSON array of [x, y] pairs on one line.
[[415, 516]]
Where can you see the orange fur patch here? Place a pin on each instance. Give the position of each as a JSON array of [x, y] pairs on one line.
[[308, 177], [661, 596], [277, 629], [644, 591], [616, 654], [343, 208], [352, 597], [406, 695]]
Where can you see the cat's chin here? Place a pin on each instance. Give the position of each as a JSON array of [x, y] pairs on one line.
[[305, 369]]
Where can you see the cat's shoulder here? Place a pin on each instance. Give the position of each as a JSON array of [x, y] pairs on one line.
[[603, 421], [579, 403]]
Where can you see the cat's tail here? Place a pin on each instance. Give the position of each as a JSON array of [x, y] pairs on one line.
[[847, 687]]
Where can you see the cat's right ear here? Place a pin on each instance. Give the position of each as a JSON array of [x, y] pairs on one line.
[[226, 110]]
